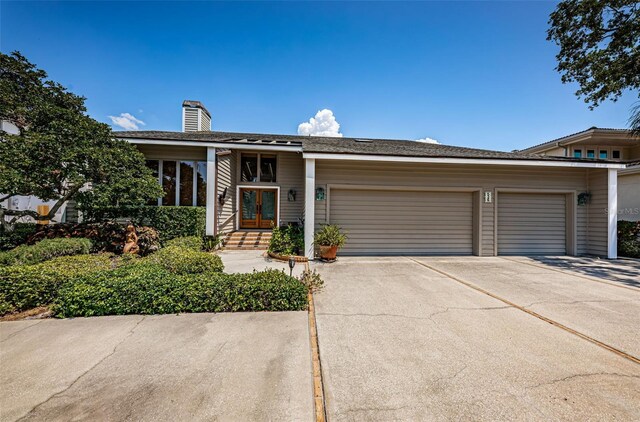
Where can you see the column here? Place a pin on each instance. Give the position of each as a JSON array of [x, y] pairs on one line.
[[612, 195], [212, 200], [309, 205]]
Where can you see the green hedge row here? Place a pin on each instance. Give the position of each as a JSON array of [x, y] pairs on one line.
[[44, 251], [180, 260], [24, 287], [171, 222], [17, 237], [189, 242], [629, 239], [151, 289]]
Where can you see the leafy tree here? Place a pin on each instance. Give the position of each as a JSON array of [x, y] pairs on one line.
[[599, 48], [61, 153]]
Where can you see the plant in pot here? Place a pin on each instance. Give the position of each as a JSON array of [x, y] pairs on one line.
[[329, 239]]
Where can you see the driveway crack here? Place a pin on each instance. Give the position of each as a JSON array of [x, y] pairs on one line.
[[19, 331], [571, 377], [60, 393]]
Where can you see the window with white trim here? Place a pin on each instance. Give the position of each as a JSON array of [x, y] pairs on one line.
[[184, 182]]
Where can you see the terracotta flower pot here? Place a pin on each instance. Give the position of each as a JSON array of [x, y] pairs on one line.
[[328, 252]]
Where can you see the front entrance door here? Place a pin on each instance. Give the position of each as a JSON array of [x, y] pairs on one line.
[[258, 208]]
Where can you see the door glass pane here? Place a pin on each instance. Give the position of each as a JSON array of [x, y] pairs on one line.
[[153, 165], [268, 205], [249, 204], [268, 168], [202, 183], [169, 182], [186, 183], [249, 168]]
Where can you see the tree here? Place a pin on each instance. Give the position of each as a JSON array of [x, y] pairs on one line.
[[599, 44], [60, 152]]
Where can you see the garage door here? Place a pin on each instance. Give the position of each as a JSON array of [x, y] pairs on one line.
[[531, 224], [403, 222]]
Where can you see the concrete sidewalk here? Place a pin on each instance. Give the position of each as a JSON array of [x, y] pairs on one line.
[[228, 367], [401, 342]]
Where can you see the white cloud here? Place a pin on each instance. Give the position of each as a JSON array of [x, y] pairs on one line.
[[427, 141], [126, 121], [323, 124]]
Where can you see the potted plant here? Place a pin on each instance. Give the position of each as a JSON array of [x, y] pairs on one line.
[[329, 239]]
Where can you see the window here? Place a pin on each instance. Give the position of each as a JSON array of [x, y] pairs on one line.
[[249, 168], [615, 154], [250, 163], [268, 168], [577, 153], [201, 183], [186, 183], [169, 172], [591, 153], [603, 154]]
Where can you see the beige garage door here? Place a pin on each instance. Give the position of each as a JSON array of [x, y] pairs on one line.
[[531, 224], [384, 222]]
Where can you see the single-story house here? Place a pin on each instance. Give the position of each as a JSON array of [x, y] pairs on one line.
[[619, 145], [390, 196]]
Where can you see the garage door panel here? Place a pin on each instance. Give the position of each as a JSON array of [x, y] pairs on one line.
[[403, 222], [531, 224]]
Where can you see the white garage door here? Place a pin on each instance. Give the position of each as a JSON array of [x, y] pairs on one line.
[[531, 224], [387, 222]]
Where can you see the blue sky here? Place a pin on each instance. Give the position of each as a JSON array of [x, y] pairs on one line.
[[477, 74]]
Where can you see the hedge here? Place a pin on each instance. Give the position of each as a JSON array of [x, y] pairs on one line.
[[151, 289], [24, 287], [190, 242], [171, 222], [181, 260], [106, 236], [629, 239], [44, 251], [17, 237]]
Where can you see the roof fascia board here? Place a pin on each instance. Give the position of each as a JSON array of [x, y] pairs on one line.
[[436, 160], [204, 144]]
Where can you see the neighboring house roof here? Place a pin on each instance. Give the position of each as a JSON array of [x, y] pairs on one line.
[[623, 134], [328, 145]]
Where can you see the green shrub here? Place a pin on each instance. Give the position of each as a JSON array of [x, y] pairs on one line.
[[629, 239], [17, 237], [287, 240], [105, 237], [171, 222], [45, 250], [179, 260], [28, 286], [151, 289], [190, 242]]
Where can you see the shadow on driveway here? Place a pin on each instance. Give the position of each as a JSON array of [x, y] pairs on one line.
[[621, 271]]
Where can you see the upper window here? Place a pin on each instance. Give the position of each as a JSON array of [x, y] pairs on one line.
[[615, 154], [249, 167], [591, 153], [577, 153], [604, 154], [250, 163]]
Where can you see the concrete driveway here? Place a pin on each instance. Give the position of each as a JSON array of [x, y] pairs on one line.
[[227, 367], [401, 341]]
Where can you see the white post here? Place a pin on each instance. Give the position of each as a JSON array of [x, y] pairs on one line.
[[612, 195], [309, 205], [210, 220]]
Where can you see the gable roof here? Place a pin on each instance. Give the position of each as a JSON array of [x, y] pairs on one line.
[[579, 136], [327, 145]]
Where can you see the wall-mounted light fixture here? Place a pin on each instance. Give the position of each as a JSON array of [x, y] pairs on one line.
[[584, 198], [319, 194], [291, 196]]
